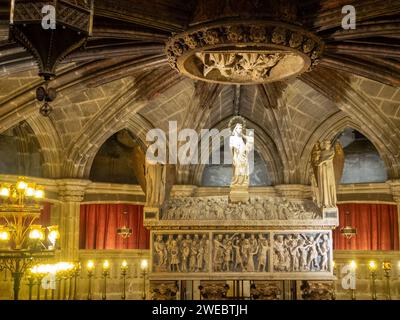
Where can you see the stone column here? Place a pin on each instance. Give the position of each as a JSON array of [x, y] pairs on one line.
[[395, 188], [71, 193]]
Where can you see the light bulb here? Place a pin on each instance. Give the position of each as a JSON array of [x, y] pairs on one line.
[[39, 194], [5, 192], [36, 233], [4, 235], [372, 265], [90, 265], [53, 235], [106, 265], [144, 264], [22, 185], [30, 192], [353, 265], [124, 265]]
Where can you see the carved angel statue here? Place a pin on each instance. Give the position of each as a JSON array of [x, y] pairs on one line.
[[155, 184], [241, 146], [327, 163]]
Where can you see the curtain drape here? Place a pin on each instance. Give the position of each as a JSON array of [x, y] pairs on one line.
[[99, 224], [45, 215], [377, 227]]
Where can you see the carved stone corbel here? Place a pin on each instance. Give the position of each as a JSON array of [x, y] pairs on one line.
[[163, 290], [265, 290], [317, 290], [213, 290]]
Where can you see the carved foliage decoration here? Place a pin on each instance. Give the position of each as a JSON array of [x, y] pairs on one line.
[[165, 290], [213, 290], [266, 290], [240, 66], [317, 290], [244, 52]]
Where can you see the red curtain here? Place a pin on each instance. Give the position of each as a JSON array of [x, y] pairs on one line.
[[377, 227], [99, 224], [45, 215]]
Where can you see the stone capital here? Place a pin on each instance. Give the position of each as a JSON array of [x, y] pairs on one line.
[[72, 190], [395, 189]]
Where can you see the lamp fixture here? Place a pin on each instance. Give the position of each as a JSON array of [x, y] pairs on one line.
[[125, 232], [49, 45], [22, 241], [348, 231]]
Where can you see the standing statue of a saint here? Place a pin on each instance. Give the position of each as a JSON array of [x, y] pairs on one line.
[[155, 184], [240, 145], [326, 175]]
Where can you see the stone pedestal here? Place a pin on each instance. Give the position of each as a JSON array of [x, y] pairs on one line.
[[239, 194], [151, 213], [71, 193]]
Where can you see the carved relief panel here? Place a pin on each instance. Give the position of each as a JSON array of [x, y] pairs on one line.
[[240, 252], [302, 252], [219, 208], [182, 252], [255, 254]]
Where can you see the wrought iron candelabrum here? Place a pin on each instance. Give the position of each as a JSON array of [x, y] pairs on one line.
[[353, 267], [105, 273], [76, 273], [22, 242], [372, 269], [387, 267], [90, 273], [334, 281], [124, 269], [144, 267]]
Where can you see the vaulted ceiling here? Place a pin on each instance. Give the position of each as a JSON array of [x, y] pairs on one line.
[[121, 79]]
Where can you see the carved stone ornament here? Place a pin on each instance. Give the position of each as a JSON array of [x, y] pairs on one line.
[[244, 52], [253, 253], [317, 290], [163, 290], [219, 208], [213, 290], [266, 290]]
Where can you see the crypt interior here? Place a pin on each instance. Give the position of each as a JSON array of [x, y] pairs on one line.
[[77, 103]]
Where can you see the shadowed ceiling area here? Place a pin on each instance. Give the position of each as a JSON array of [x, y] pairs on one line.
[[121, 79]]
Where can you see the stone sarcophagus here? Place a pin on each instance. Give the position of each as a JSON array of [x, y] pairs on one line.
[[278, 234]]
